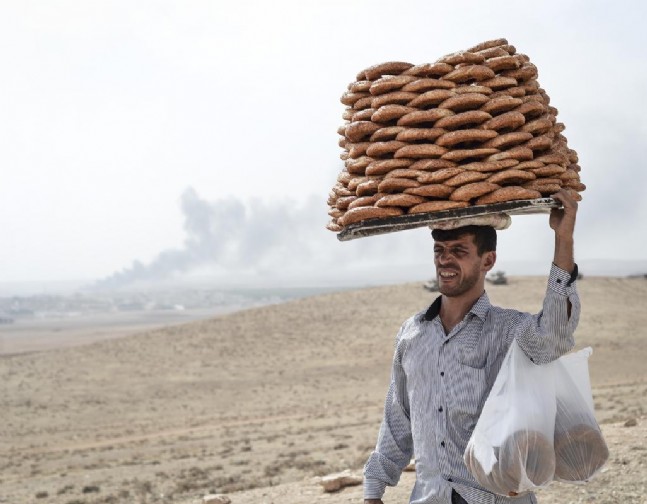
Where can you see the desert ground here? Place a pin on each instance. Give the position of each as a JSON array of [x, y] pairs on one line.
[[256, 404]]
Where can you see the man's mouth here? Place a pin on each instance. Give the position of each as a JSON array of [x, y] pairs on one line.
[[447, 274]]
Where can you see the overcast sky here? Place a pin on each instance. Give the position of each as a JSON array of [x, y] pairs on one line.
[[153, 139]]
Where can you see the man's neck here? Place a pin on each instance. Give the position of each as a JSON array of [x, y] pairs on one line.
[[454, 309]]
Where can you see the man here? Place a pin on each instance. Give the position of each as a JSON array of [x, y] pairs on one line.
[[447, 359]]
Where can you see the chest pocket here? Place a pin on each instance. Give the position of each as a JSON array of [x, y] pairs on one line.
[[469, 351]]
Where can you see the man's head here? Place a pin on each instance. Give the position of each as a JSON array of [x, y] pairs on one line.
[[462, 257]]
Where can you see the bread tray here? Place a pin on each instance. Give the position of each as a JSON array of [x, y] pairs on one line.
[[403, 222]]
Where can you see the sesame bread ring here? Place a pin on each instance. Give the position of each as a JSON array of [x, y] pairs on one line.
[[362, 115], [349, 98], [365, 201], [473, 88], [463, 57], [374, 72], [525, 165], [361, 86], [501, 104], [575, 184], [363, 103], [383, 166], [335, 213], [553, 157], [357, 149], [343, 202], [466, 177], [550, 170], [393, 98], [390, 83], [421, 117], [387, 133], [462, 102], [503, 63], [404, 173], [419, 134], [508, 139], [356, 131], [357, 180], [417, 151], [488, 44], [572, 166], [344, 177], [438, 176], [531, 109], [381, 149], [389, 113], [543, 186], [473, 190], [429, 70], [505, 122], [357, 166], [572, 156], [511, 177], [569, 174], [508, 193], [470, 73], [490, 166], [429, 98], [559, 127], [465, 136], [432, 164], [340, 190], [347, 114], [399, 200], [493, 52], [367, 188], [420, 85], [437, 206], [525, 73], [532, 87], [333, 226], [519, 153], [514, 92], [431, 191], [499, 82], [539, 143], [360, 214], [393, 184], [462, 119], [538, 126], [461, 154]]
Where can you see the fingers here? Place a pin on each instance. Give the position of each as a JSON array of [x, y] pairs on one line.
[[565, 199]]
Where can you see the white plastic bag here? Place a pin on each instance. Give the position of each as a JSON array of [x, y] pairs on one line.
[[511, 448], [580, 450], [538, 424]]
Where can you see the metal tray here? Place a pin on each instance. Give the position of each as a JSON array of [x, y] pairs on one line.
[[402, 222]]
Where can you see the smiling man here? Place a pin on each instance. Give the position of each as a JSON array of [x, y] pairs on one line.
[[448, 356]]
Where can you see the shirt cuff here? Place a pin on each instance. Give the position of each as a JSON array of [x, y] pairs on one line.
[[374, 488], [561, 281]]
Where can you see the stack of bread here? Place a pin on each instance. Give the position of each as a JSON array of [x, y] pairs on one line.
[[473, 128]]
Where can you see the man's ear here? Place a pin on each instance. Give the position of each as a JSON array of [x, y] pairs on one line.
[[489, 259]]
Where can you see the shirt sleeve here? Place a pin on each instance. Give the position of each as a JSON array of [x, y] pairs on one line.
[[549, 334], [394, 445]]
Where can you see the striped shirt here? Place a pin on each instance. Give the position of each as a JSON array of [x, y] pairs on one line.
[[440, 382]]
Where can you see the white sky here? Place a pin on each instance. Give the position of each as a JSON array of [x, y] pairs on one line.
[[113, 110]]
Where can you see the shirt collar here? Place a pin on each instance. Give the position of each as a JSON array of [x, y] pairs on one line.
[[480, 308]]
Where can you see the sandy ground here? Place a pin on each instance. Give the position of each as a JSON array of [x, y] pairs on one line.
[[256, 403]]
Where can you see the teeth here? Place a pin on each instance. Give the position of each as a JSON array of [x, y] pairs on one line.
[[446, 274]]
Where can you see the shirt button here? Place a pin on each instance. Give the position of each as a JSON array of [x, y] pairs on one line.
[[440, 409], [442, 373], [449, 479], [559, 280], [442, 443]]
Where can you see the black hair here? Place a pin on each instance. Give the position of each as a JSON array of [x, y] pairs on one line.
[[484, 236]]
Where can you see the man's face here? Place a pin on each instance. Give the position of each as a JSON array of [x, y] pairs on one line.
[[458, 265]]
